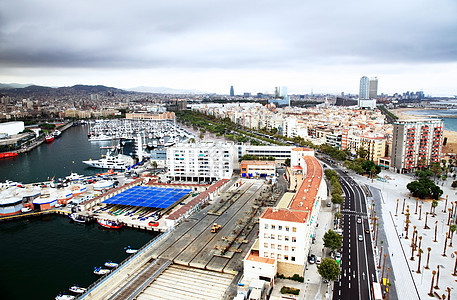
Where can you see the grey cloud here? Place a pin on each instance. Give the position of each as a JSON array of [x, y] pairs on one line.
[[235, 34]]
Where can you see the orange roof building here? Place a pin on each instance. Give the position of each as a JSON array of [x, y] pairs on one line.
[[285, 233]]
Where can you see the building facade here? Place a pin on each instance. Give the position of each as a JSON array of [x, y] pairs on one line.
[[416, 143], [201, 162], [285, 232], [373, 90], [364, 91]]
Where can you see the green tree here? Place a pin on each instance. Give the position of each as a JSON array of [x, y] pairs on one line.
[[329, 269], [337, 199], [287, 162], [436, 169], [154, 164], [332, 240], [362, 153]]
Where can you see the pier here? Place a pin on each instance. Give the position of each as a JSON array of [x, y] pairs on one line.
[[191, 250]]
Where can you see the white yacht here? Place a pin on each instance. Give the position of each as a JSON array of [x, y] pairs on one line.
[[111, 161]]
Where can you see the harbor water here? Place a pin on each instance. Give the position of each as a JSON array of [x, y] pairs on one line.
[[57, 159], [42, 256]]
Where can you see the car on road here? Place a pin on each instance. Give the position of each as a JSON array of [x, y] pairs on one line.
[[312, 258], [359, 220], [360, 237], [367, 231]]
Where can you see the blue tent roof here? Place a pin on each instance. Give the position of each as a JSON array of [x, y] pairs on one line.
[[148, 196]]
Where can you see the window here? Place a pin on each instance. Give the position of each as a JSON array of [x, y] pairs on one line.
[[279, 237], [286, 238], [294, 229], [272, 246], [273, 255], [266, 235], [293, 249], [279, 256], [266, 254], [272, 236], [279, 247], [273, 227], [266, 226], [286, 248], [294, 239], [265, 245], [279, 227], [292, 258], [286, 257]]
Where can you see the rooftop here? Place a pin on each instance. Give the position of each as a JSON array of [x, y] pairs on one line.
[[285, 214]]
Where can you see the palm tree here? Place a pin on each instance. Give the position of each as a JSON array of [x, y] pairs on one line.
[[419, 262], [428, 257], [452, 228], [431, 287]]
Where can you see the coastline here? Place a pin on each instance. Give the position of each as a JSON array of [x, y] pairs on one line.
[[451, 143]]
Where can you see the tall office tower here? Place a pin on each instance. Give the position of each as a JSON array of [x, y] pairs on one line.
[[416, 143], [364, 88], [373, 94], [232, 91]]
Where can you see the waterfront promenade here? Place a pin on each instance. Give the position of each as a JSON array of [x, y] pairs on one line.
[[411, 277]]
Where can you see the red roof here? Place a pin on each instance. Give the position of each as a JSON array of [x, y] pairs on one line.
[[285, 214]]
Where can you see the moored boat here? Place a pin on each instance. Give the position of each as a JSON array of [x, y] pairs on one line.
[[77, 289], [130, 250], [111, 264], [49, 138], [109, 224], [77, 218], [63, 296], [100, 271], [8, 154], [56, 133]]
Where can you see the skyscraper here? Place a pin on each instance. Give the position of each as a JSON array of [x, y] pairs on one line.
[[232, 91], [373, 94], [364, 92]]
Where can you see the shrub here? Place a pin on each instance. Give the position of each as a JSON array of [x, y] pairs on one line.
[[289, 290]]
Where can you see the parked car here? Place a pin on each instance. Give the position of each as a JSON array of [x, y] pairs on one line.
[[318, 260], [312, 258], [360, 237]]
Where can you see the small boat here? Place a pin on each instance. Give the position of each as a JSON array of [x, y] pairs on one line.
[[49, 138], [8, 154], [130, 250], [56, 133], [77, 218], [109, 224], [100, 271], [111, 264], [62, 296], [74, 176], [77, 289]]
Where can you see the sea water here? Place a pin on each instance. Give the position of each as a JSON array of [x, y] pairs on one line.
[[42, 256]]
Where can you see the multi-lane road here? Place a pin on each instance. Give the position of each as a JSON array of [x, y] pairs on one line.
[[357, 263]]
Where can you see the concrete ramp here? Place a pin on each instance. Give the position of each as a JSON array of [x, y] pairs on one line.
[[182, 282]]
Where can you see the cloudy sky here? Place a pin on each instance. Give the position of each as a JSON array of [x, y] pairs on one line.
[[322, 46]]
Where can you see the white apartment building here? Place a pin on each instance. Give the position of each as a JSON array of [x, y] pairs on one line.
[[285, 232], [200, 161], [280, 153]]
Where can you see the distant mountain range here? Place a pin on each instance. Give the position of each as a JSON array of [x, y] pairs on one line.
[[16, 88], [4, 86]]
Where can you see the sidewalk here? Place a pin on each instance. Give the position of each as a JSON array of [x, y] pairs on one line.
[[316, 288], [408, 283]]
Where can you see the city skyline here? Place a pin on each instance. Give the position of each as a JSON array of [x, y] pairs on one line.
[[208, 47]]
